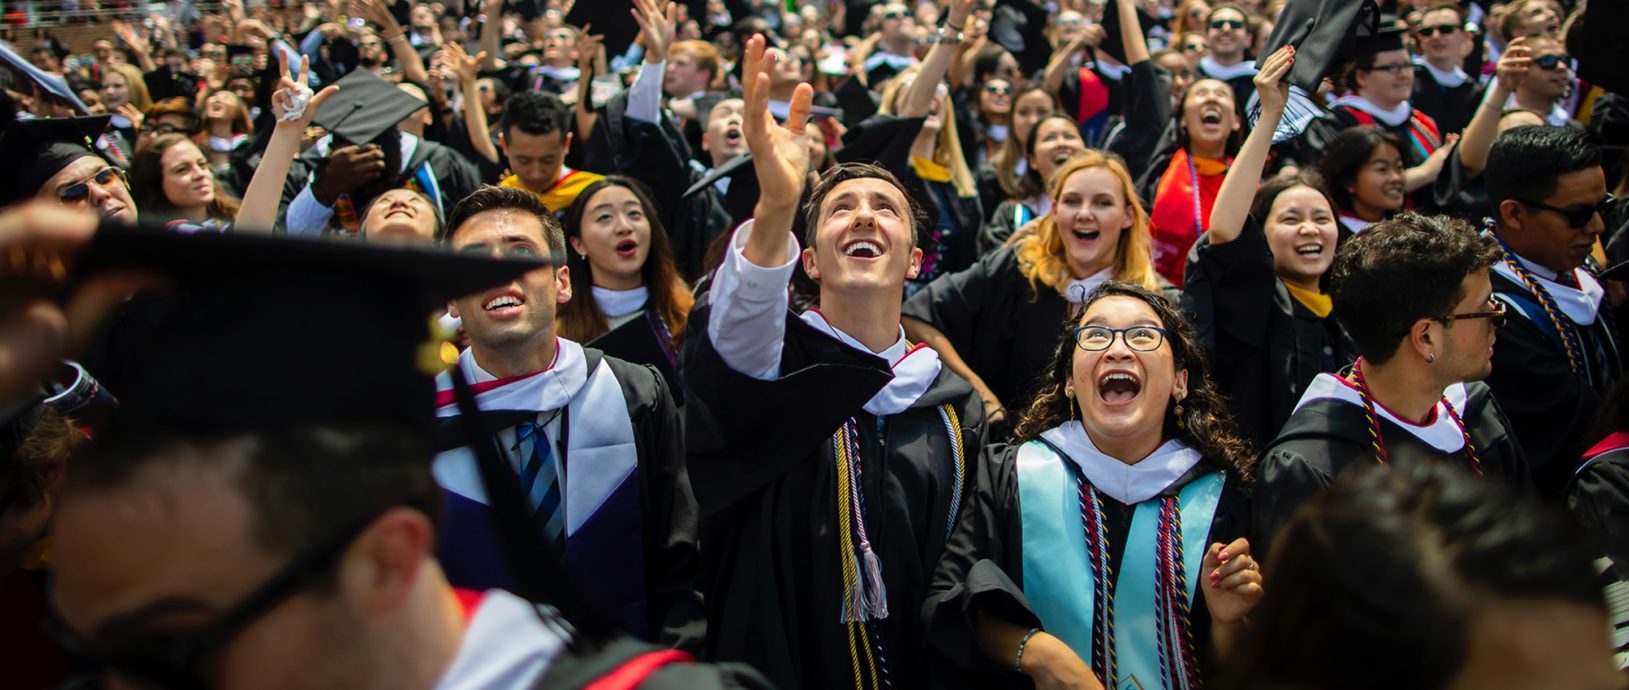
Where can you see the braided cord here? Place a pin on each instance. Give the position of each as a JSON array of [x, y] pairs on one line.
[[1569, 333], [664, 336], [1190, 658], [845, 546], [953, 428], [1373, 420], [1097, 548], [1470, 448]]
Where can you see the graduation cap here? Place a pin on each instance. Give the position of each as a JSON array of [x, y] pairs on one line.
[[1385, 37], [609, 19], [35, 150], [1112, 42], [1020, 27], [1325, 33], [271, 330], [365, 107], [54, 85]]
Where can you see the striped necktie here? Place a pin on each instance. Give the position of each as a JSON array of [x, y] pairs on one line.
[[541, 482]]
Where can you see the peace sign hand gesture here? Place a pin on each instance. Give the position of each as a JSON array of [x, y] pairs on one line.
[[292, 89]]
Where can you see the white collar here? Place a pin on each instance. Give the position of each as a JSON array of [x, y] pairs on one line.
[[1215, 70], [1392, 117], [915, 367], [996, 132], [1128, 484], [506, 646], [1442, 433], [1353, 223], [1580, 304], [559, 73], [542, 391], [615, 303], [1111, 72], [1079, 290], [1449, 80], [898, 62]]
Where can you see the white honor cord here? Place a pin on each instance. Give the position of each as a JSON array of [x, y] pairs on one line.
[[297, 103]]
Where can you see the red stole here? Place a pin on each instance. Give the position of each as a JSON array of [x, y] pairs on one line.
[[1177, 219]]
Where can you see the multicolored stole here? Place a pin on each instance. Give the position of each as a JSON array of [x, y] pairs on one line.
[[563, 192], [1152, 591]]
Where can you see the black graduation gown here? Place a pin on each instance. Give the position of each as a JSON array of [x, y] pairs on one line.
[[638, 341], [454, 173], [762, 458], [574, 670], [1003, 329], [1451, 107], [1551, 408], [1265, 346], [1598, 498], [672, 605], [1327, 436], [983, 569]]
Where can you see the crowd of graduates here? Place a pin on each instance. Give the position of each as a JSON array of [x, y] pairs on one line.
[[734, 343]]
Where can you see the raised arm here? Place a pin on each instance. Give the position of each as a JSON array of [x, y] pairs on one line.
[[1057, 69], [1239, 187], [780, 155], [588, 47], [259, 210], [920, 98], [1484, 126], [391, 32], [1131, 33], [466, 67], [491, 26], [138, 45]]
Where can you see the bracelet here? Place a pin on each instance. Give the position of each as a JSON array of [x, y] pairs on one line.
[[1018, 660], [953, 27], [398, 38]]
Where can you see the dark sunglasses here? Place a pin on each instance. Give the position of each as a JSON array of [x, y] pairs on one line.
[[78, 193], [1495, 314], [1576, 216], [1549, 62], [184, 659], [1443, 29], [1227, 24], [997, 90]]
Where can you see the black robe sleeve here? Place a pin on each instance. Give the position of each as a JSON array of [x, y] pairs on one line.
[[456, 174], [1230, 293], [670, 516], [1599, 500], [1148, 115], [1000, 227], [1286, 478]]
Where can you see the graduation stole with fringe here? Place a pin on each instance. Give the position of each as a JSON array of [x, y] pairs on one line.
[[864, 596]]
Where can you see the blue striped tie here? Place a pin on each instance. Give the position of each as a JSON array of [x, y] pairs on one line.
[[540, 481]]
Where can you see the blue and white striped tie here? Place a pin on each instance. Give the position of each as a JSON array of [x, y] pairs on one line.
[[541, 482]]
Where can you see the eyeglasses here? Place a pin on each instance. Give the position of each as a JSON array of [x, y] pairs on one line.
[[1495, 314], [997, 90], [370, 44], [1099, 338], [1577, 216], [1550, 62], [1227, 24], [180, 658], [1444, 29], [165, 128], [1395, 70], [892, 14], [78, 194]]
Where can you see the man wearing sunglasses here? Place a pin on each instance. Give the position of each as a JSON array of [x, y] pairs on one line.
[[1561, 353], [50, 159], [1228, 37], [1547, 83], [1442, 89], [1415, 295]]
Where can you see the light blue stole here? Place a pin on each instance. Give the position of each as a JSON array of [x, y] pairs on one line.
[[1058, 570]]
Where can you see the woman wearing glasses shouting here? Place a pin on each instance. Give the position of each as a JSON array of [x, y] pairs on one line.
[[1102, 549]]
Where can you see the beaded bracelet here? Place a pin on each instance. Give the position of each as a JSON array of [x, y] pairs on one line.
[[1018, 660]]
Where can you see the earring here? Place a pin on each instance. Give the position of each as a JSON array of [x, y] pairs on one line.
[[583, 256], [1070, 394], [1430, 358], [1178, 410]]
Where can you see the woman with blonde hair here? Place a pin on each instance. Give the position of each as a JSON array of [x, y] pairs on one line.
[[994, 323]]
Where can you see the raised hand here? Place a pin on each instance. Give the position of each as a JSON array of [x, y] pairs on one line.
[[658, 19], [780, 152], [463, 65], [128, 36], [1271, 81], [1232, 583], [1513, 65], [588, 49], [292, 84]]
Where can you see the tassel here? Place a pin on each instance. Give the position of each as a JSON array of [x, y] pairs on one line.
[[876, 597]]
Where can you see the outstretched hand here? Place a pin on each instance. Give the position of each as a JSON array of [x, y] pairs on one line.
[[464, 66], [780, 152], [1272, 81], [659, 20]]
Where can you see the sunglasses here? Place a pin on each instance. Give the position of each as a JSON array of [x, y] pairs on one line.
[[895, 14], [78, 194], [1550, 62], [998, 90], [1227, 24], [1495, 315], [1443, 29], [1577, 216]]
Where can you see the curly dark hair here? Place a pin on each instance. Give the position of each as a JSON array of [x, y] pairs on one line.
[[1207, 425]]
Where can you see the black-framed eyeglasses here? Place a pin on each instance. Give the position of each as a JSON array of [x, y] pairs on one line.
[[1099, 338], [1227, 24], [184, 659], [1395, 70], [78, 193], [1576, 216], [1550, 62], [1495, 314], [1444, 29], [166, 128]]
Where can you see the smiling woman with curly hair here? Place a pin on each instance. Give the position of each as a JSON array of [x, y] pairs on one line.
[[1120, 497]]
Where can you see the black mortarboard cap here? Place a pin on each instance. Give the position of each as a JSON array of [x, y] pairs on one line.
[[1386, 36], [609, 19], [1112, 44], [1325, 33], [365, 107], [270, 330], [24, 71], [1020, 27], [34, 150]]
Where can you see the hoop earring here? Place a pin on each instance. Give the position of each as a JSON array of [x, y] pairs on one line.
[[1430, 358]]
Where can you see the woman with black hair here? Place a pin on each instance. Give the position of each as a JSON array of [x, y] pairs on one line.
[[1426, 577], [1053, 141], [1085, 541], [1364, 168], [1255, 281], [629, 300]]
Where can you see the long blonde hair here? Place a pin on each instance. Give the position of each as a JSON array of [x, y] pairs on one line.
[[947, 151], [1042, 257]]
